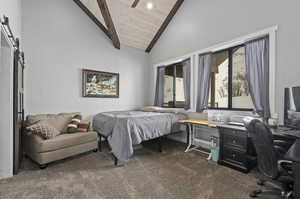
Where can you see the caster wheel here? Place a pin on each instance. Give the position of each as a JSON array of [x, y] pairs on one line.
[[43, 166], [260, 183], [257, 192], [254, 194], [95, 150]]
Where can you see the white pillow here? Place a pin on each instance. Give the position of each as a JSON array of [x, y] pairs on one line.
[[150, 108], [162, 110]]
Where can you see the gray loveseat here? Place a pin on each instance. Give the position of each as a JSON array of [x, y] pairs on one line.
[[62, 146]]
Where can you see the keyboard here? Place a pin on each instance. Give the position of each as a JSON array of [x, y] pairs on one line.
[[236, 123], [283, 128], [293, 132]]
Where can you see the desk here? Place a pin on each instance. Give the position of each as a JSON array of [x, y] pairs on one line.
[[294, 155], [292, 134], [235, 149], [208, 128], [282, 132]]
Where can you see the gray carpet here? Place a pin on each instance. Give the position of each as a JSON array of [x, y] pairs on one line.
[[172, 174]]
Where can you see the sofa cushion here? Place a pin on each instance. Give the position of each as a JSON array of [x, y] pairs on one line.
[[39, 145], [47, 157], [44, 130], [58, 121]]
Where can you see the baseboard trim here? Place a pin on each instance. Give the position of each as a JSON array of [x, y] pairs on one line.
[[5, 174]]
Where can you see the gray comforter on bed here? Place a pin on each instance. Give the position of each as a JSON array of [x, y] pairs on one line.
[[127, 128]]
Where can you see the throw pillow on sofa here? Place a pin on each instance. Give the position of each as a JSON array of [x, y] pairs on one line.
[[77, 125], [59, 121], [44, 130], [84, 126], [74, 124]]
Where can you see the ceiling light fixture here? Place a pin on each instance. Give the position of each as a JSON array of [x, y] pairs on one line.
[[149, 5]]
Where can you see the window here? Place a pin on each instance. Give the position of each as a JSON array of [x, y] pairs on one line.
[[229, 88], [174, 89]]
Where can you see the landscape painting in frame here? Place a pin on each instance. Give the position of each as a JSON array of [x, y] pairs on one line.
[[100, 84]]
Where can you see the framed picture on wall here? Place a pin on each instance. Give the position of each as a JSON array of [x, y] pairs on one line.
[[100, 84]]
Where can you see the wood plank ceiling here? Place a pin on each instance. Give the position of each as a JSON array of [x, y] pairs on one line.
[[137, 26]]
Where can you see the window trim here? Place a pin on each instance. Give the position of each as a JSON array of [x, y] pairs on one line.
[[230, 51]]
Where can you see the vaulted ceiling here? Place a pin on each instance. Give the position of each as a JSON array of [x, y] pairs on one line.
[[131, 22]]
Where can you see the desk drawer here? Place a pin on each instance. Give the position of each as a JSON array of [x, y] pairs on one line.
[[235, 157], [239, 142], [233, 132]]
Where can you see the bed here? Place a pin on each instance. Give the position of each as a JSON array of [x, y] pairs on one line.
[[124, 129]]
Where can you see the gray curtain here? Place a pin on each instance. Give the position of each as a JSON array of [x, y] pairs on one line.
[[257, 74], [296, 96], [204, 74], [159, 90], [186, 67]]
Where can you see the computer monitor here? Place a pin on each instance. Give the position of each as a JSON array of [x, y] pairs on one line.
[[292, 107]]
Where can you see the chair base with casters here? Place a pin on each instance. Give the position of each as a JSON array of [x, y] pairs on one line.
[[282, 185], [268, 187]]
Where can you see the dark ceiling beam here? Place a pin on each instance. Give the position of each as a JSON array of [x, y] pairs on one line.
[[93, 18], [109, 23], [135, 3], [164, 24]]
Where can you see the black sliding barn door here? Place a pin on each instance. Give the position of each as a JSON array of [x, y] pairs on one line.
[[18, 109]]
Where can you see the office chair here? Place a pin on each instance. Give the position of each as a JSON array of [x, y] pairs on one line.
[[270, 162]]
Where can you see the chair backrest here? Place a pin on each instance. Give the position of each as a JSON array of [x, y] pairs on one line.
[[262, 139]]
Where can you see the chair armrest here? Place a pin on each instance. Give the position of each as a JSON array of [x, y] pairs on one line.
[[281, 162], [285, 167], [281, 151], [281, 137], [283, 143]]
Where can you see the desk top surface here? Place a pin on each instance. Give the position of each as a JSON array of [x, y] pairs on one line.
[[201, 122], [213, 124], [294, 134], [289, 133]]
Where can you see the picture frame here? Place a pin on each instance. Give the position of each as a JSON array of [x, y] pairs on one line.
[[100, 84]]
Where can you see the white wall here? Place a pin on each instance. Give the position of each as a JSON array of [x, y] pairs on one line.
[[201, 24], [59, 41], [12, 9]]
